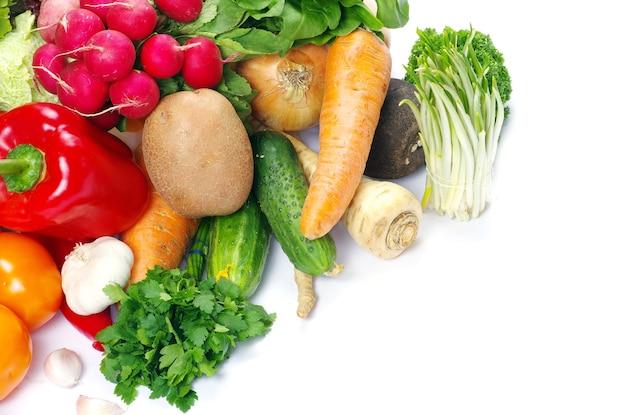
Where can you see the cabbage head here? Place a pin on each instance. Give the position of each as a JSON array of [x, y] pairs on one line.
[[17, 85]]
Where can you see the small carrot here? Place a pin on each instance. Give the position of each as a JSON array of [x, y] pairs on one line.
[[159, 237], [358, 72]]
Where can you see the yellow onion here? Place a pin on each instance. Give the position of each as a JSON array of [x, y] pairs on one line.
[[289, 88]]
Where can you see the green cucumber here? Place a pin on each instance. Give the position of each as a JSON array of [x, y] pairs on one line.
[[238, 246], [281, 187], [199, 249]]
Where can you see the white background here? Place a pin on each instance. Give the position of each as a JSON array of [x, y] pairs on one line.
[[521, 311]]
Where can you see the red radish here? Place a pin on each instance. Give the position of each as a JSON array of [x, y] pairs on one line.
[[135, 18], [50, 12], [184, 11], [106, 118], [80, 90], [99, 7], [74, 30], [203, 65], [47, 66], [109, 55], [161, 56], [136, 95]]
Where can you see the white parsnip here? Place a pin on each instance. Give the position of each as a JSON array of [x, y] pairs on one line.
[[306, 293], [383, 217]]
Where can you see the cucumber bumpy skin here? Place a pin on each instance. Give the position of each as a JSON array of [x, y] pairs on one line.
[[238, 246], [281, 187]]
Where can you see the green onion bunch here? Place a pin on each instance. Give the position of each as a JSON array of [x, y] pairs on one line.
[[460, 116]]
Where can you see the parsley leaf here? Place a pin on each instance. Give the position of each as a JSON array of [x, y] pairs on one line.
[[172, 329]]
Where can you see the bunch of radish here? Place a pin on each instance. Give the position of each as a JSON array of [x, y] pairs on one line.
[[102, 58]]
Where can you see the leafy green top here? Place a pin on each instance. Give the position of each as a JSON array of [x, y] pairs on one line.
[[430, 41], [254, 27], [171, 329], [5, 23], [9, 9]]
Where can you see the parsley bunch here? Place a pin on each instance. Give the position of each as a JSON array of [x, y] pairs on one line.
[[171, 329]]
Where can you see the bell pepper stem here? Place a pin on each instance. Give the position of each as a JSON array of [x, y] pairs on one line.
[[23, 168], [13, 166]]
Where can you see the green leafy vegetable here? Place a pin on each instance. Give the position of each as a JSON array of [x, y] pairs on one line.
[[460, 115], [9, 9], [5, 22], [171, 329], [486, 54], [393, 14], [277, 25], [17, 85]]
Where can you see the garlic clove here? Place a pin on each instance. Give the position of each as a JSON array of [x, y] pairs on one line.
[[86, 405], [63, 367]]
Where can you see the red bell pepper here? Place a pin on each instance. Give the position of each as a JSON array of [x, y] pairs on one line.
[[58, 248], [64, 177], [88, 325]]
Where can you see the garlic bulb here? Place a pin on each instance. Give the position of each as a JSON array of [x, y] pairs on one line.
[[92, 266], [63, 367], [86, 405]]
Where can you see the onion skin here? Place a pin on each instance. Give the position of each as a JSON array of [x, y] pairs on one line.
[[290, 88]]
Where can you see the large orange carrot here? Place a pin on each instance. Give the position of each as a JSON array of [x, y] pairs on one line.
[[358, 71], [159, 237]]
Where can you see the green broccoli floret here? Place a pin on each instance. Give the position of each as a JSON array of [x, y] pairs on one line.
[[485, 50]]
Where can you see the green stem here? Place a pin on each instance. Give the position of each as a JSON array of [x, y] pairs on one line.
[[13, 166], [23, 168], [172, 330]]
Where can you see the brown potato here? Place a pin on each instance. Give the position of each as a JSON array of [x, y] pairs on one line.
[[198, 153]]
